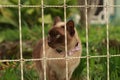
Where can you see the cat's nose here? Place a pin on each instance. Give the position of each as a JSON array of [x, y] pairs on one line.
[[49, 43]]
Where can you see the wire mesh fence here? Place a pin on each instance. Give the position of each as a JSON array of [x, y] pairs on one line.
[[43, 6]]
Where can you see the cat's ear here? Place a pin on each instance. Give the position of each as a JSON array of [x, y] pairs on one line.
[[70, 27], [56, 20]]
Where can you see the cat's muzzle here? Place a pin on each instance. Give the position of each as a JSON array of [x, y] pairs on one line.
[[50, 44]]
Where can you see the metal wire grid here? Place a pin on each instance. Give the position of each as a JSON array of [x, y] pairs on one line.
[[87, 45], [65, 6], [65, 40], [107, 33]]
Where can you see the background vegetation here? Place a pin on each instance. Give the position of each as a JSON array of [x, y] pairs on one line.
[[32, 32]]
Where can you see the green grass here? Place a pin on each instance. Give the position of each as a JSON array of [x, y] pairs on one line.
[[12, 71], [97, 46]]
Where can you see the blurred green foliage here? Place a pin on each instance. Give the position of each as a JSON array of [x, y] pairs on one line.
[[12, 71], [97, 47], [30, 16]]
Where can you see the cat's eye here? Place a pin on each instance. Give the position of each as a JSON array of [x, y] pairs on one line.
[[48, 35], [57, 36]]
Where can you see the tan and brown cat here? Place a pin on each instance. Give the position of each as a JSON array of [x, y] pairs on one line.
[[55, 48]]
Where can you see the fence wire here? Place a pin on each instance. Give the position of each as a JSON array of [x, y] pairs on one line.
[[20, 35], [65, 6], [107, 33]]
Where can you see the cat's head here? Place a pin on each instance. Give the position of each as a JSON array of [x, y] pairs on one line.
[[56, 35]]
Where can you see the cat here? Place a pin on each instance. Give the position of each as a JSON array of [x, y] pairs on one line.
[[90, 11], [55, 48]]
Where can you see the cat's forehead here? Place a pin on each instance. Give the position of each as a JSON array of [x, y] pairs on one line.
[[56, 30], [59, 24]]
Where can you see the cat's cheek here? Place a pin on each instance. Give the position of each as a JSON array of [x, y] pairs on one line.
[[51, 45]]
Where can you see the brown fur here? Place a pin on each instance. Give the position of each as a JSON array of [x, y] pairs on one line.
[[56, 69]]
